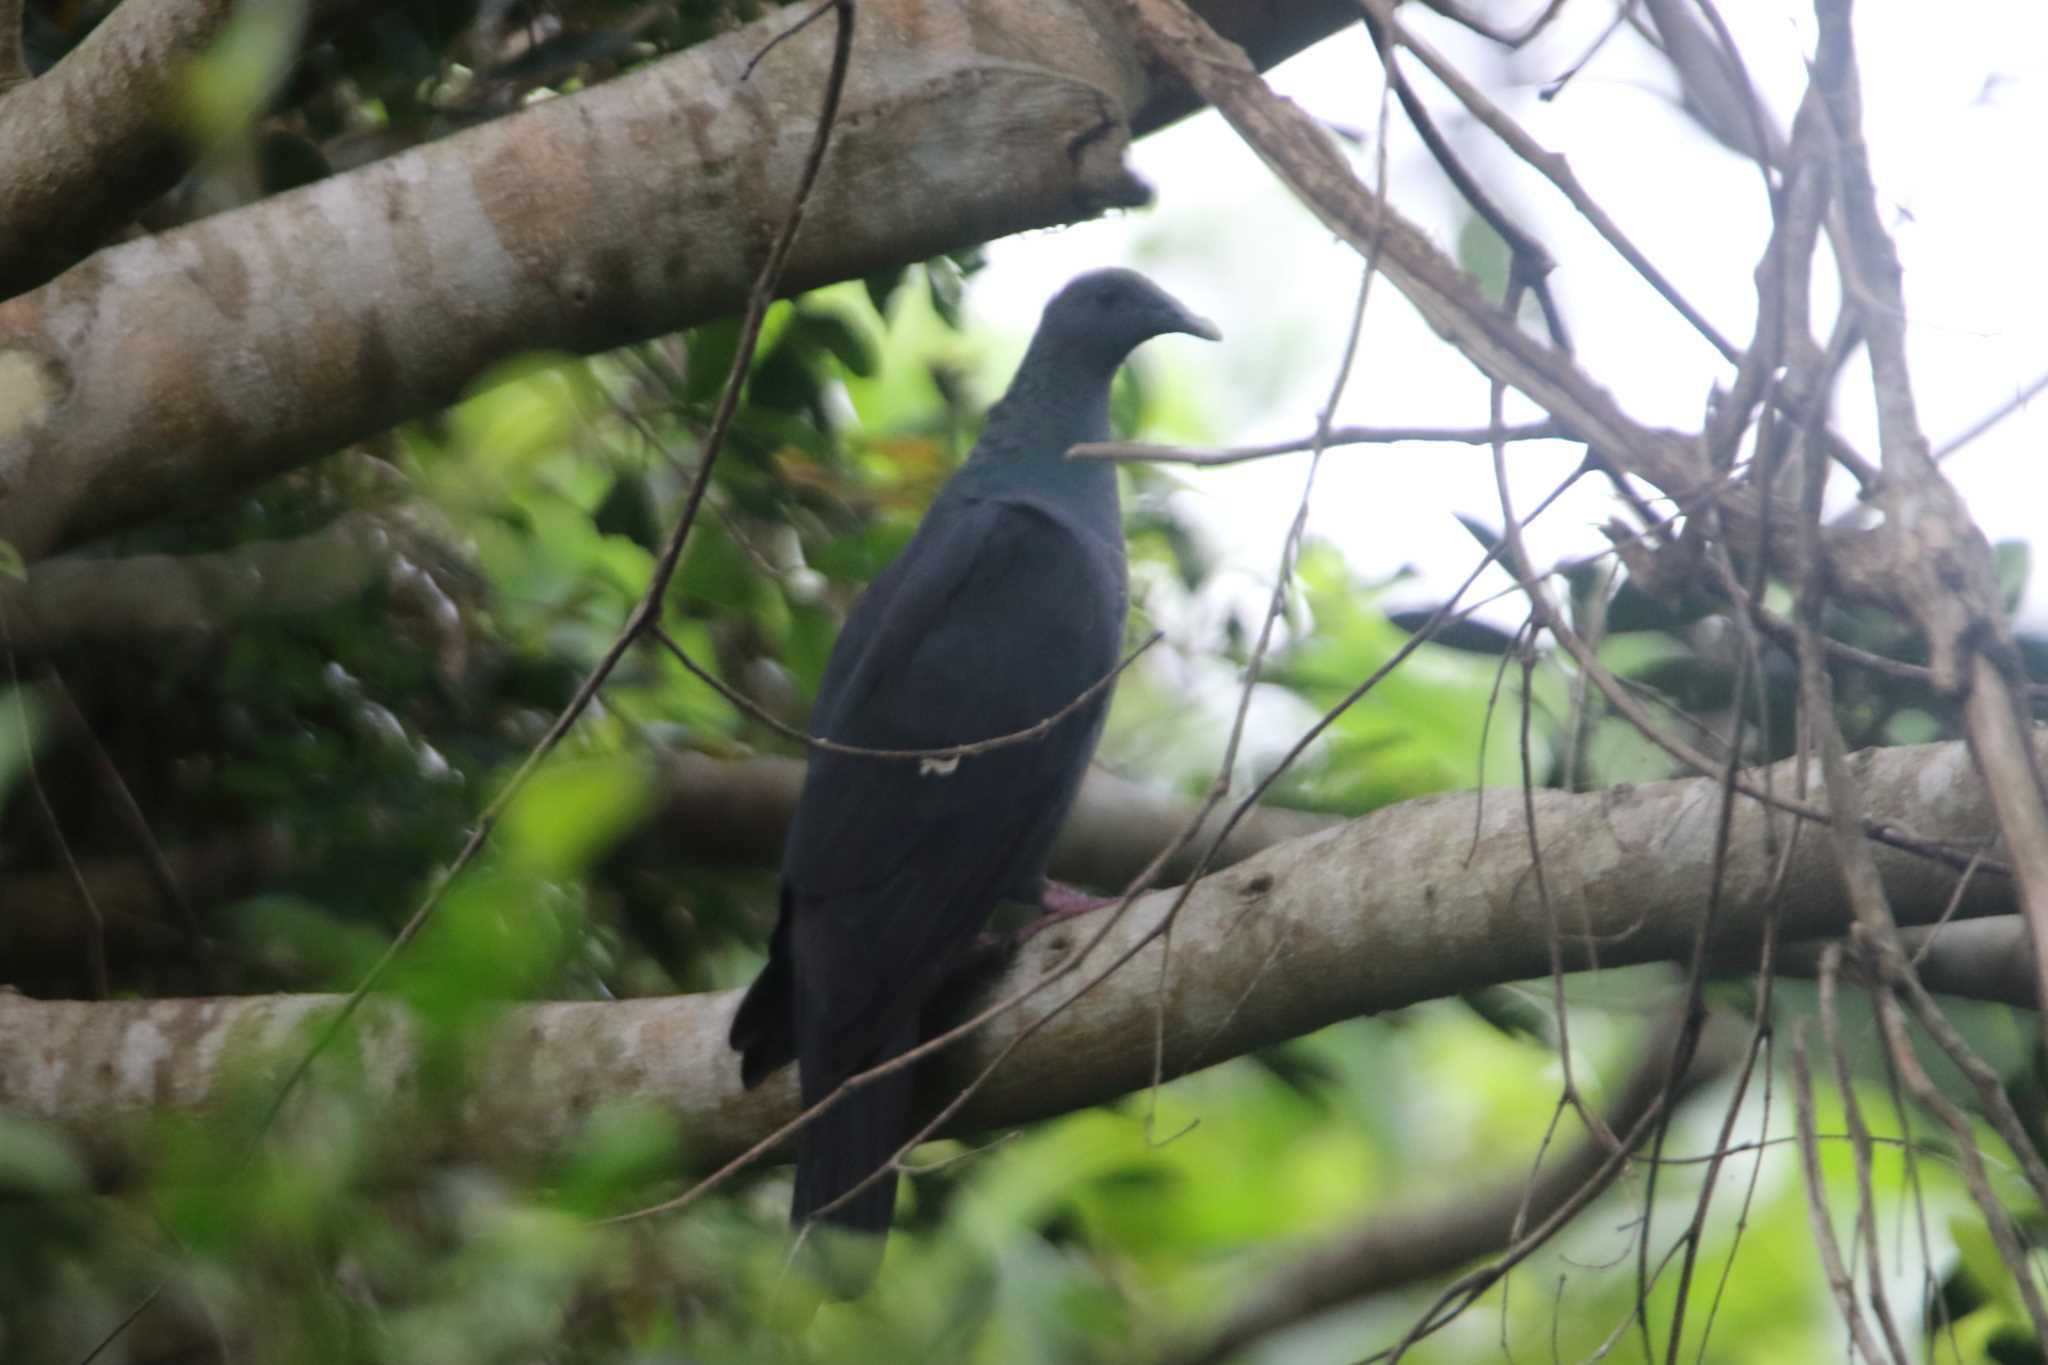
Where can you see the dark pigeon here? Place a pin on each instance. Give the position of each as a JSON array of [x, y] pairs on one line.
[[1006, 605]]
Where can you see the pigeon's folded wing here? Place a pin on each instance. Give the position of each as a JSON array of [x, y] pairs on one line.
[[997, 616]]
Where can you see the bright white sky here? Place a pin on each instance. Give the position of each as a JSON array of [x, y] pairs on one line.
[[1956, 115]]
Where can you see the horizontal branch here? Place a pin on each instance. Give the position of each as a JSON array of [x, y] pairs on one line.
[[1120, 451], [163, 371], [87, 144], [72, 597], [727, 813], [1423, 900], [734, 814]]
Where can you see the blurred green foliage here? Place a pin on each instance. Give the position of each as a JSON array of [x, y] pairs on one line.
[[310, 772]]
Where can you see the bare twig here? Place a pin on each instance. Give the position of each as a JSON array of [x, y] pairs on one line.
[[948, 753], [96, 941], [1859, 1147], [108, 775], [1126, 451], [1997, 1221], [1512, 534], [1840, 1284], [2014, 404]]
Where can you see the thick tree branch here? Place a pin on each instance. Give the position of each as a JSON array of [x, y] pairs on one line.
[[1980, 959], [165, 369], [734, 812], [713, 812], [1416, 902], [71, 598], [728, 813], [84, 146], [45, 929]]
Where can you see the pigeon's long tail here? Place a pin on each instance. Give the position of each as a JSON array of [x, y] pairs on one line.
[[842, 1147]]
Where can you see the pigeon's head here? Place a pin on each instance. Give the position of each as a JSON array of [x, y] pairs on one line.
[[1102, 317]]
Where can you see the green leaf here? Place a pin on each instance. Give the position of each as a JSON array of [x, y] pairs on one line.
[[808, 646], [1484, 256], [35, 1161], [521, 411], [715, 572], [835, 335], [1422, 728], [943, 282], [2013, 560], [629, 510], [710, 349], [621, 1146], [857, 558], [228, 86], [12, 565], [572, 811], [685, 696], [21, 728], [882, 286], [1127, 402]]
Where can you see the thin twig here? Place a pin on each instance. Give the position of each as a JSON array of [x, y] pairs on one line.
[[1991, 419], [1997, 1221], [1511, 533], [1131, 451], [96, 940], [1839, 1282], [118, 795], [818, 12], [1859, 1147], [1557, 83], [947, 754]]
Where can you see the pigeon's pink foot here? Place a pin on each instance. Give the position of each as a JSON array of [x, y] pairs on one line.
[[1062, 902]]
